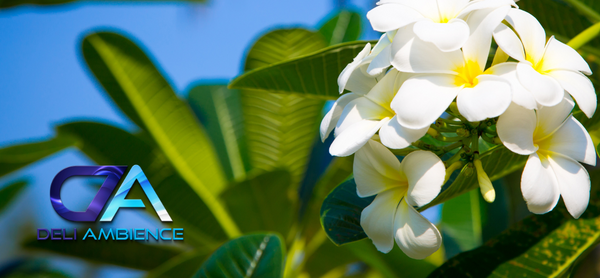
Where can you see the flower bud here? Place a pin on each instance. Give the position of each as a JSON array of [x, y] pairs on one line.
[[485, 184]]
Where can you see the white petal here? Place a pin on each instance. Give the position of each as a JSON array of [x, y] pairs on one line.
[[549, 119], [350, 72], [425, 172], [423, 98], [573, 141], [530, 31], [415, 235], [411, 54], [377, 219], [515, 129], [382, 61], [546, 90], [384, 92], [360, 109], [580, 87], [509, 42], [395, 136], [520, 95], [392, 16], [488, 99], [447, 37], [354, 137], [574, 184], [376, 169], [482, 24], [331, 118], [539, 185], [427, 8], [561, 56], [484, 4]]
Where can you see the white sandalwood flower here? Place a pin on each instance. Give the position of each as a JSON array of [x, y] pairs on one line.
[[399, 187], [441, 22], [545, 70], [444, 76], [554, 141], [363, 116]]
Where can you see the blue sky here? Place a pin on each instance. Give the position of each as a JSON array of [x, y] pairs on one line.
[[43, 81]]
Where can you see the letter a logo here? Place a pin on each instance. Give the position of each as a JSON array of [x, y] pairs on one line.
[[113, 176]]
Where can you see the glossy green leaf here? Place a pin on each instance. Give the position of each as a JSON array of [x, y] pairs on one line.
[[262, 203], [280, 129], [183, 265], [220, 111], [13, 3], [340, 213], [282, 45], [540, 246], [462, 220], [10, 192], [18, 156], [124, 253], [314, 75], [343, 27], [135, 84], [255, 255]]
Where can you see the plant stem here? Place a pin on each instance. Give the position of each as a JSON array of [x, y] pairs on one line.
[[584, 37]]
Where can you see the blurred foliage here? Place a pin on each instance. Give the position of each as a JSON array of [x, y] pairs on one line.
[[250, 256], [9, 193]]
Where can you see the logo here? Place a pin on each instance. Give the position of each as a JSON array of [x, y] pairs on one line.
[[113, 175]]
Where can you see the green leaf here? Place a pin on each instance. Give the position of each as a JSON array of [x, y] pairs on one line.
[[262, 203], [343, 27], [133, 81], [125, 253], [257, 255], [340, 213], [109, 145], [18, 156], [497, 163], [13, 3], [314, 75], [183, 265], [10, 192], [540, 246], [281, 45], [280, 129], [462, 220], [220, 111]]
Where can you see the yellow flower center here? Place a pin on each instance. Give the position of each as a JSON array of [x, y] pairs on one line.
[[467, 74]]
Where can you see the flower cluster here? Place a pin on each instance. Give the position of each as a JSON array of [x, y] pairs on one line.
[[429, 74]]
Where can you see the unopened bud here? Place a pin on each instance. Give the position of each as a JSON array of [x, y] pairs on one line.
[[485, 184]]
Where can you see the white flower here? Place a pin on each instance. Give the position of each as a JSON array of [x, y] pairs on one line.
[[399, 187], [363, 116], [544, 70], [441, 22], [445, 76], [554, 141], [355, 78]]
